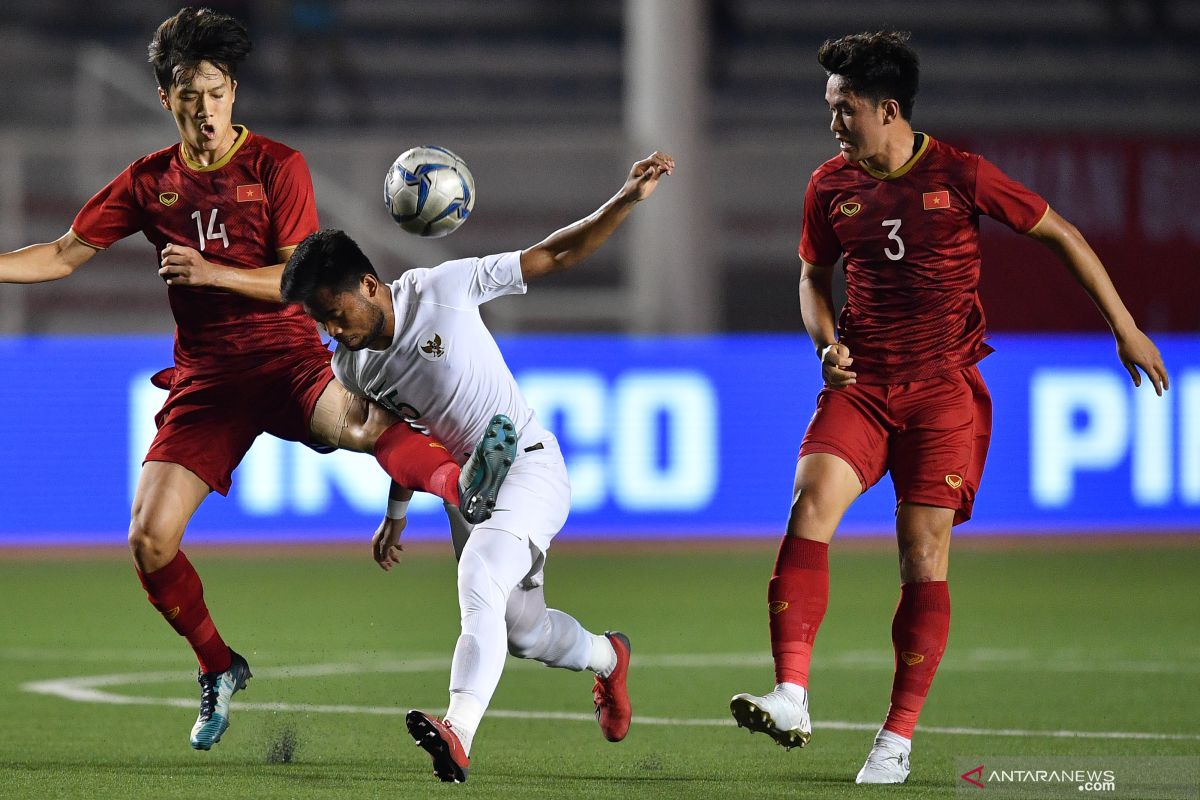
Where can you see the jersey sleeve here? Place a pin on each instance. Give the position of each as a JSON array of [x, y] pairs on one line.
[[474, 281], [112, 214], [1007, 200], [293, 205], [819, 244]]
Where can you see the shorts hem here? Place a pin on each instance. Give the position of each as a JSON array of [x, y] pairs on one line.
[[833, 450], [962, 511]]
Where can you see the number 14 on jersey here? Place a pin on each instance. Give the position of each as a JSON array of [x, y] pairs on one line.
[[213, 232]]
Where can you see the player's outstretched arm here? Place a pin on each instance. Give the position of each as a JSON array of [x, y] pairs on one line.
[[816, 309], [565, 248], [1134, 348], [48, 261], [385, 544], [184, 266]]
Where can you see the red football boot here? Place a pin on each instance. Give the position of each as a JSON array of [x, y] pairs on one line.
[[613, 711], [438, 738]]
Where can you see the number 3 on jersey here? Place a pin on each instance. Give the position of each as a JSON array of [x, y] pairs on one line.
[[894, 235], [215, 234]]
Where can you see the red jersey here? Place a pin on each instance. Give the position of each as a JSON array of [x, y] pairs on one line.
[[238, 212], [910, 243]]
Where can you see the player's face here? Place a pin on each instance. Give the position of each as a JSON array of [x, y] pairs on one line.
[[203, 110], [348, 317], [857, 122]]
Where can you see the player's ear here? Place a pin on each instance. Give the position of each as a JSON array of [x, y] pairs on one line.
[[891, 111], [164, 98], [370, 283]]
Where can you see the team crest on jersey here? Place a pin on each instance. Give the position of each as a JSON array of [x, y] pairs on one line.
[[168, 198], [431, 347], [850, 209]]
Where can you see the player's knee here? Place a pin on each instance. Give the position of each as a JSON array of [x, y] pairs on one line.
[[152, 546], [365, 423], [922, 561], [812, 516]]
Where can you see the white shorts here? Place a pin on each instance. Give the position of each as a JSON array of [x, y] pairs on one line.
[[532, 505]]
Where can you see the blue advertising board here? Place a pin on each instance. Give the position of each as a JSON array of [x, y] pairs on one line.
[[664, 437]]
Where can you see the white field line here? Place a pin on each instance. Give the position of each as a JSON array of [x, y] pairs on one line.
[[90, 689]]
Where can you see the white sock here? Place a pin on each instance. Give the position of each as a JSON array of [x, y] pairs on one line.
[[893, 739], [464, 715], [793, 691], [603, 659]]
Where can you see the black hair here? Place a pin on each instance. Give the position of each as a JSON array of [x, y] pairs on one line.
[[327, 259], [878, 66], [194, 35]]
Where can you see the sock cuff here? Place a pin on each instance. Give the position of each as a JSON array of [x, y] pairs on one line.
[[797, 553], [178, 567], [926, 596]]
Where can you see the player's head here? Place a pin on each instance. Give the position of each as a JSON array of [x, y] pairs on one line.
[[331, 277], [871, 88], [195, 55]]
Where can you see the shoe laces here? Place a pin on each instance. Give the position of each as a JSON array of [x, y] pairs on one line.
[[209, 691]]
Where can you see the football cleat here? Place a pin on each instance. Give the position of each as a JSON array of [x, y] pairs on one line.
[[437, 737], [485, 470], [888, 760], [216, 688], [782, 714], [611, 696]]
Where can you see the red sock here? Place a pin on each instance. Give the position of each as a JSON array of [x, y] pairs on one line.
[[176, 591], [415, 461], [919, 632], [796, 598]]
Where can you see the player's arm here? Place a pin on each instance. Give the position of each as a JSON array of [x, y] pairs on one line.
[[1134, 348], [184, 266], [385, 544], [816, 308], [565, 248], [48, 261]]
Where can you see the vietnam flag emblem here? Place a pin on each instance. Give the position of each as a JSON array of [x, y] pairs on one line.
[[250, 193], [933, 200]]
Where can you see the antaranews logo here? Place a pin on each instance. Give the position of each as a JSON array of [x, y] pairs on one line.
[[1050, 777]]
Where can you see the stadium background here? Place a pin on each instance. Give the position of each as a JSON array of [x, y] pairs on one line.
[[1075, 632]]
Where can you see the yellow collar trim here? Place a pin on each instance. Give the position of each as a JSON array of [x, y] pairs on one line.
[[904, 168], [223, 160]]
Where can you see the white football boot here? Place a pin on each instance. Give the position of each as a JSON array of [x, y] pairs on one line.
[[782, 714], [888, 760]]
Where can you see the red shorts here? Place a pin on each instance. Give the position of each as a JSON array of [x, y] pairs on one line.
[[932, 435], [209, 422]]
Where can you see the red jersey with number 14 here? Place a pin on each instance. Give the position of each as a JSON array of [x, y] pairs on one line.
[[237, 212], [910, 244]]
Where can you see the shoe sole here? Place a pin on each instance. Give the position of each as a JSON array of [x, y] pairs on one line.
[[207, 737], [428, 739], [624, 640], [748, 715], [497, 450]]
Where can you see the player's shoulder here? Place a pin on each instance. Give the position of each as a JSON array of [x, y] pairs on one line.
[[947, 154], [157, 162], [268, 146], [831, 167]]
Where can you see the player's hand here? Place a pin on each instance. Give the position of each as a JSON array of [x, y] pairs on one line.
[[184, 266], [1137, 351], [385, 544], [643, 177], [835, 366]]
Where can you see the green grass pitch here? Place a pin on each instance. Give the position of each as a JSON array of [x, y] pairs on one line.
[[1086, 638]]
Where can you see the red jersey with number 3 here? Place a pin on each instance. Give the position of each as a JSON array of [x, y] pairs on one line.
[[237, 212], [910, 244]]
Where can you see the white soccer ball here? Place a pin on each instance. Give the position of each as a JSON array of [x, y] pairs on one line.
[[429, 191]]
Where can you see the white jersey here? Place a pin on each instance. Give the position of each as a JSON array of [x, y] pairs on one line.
[[443, 369]]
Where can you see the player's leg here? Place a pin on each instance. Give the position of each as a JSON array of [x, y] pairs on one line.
[[937, 464], [412, 459], [557, 639], [843, 453], [167, 496]]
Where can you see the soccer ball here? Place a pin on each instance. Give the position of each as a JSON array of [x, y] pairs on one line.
[[429, 191]]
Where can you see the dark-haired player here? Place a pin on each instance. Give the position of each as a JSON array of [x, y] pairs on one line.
[[902, 390], [224, 208]]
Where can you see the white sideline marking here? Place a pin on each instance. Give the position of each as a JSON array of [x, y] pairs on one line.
[[89, 689]]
